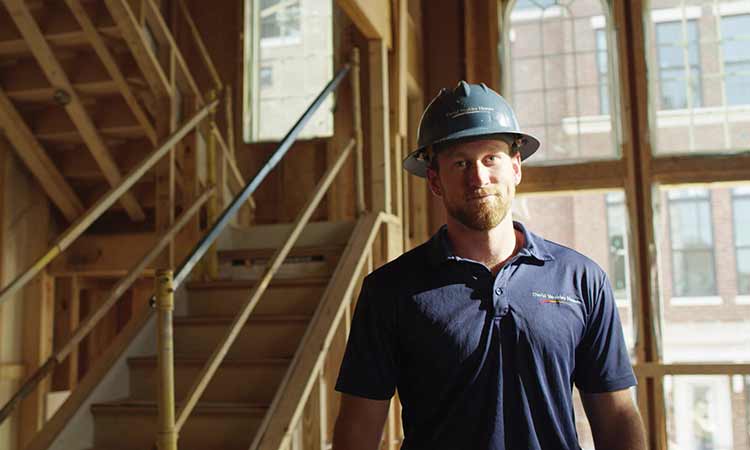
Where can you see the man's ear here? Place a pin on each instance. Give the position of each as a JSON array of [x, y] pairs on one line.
[[516, 161], [433, 180]]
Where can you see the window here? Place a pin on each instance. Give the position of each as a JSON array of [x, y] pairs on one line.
[[279, 19], [741, 213], [617, 234], [288, 60], [677, 46], [602, 66], [736, 50], [266, 77], [692, 243], [558, 77]]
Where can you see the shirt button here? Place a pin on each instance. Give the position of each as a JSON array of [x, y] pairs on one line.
[[504, 311], [499, 291]]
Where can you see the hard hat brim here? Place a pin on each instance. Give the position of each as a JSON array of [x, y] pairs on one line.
[[416, 165]]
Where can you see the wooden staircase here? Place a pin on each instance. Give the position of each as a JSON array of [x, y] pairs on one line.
[[237, 399]]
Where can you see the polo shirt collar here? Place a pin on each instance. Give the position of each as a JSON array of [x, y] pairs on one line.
[[441, 249]]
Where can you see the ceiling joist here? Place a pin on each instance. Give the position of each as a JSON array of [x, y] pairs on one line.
[[37, 160], [52, 68]]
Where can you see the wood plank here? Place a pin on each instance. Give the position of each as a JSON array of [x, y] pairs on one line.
[[59, 40], [36, 159], [573, 177], [371, 17], [638, 192], [12, 372], [700, 169], [101, 49], [379, 130], [146, 60], [103, 253], [37, 347], [54, 71], [658, 370], [66, 318]]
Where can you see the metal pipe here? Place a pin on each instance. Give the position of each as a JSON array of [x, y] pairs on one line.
[[167, 434]]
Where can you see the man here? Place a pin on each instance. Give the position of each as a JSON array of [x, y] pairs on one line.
[[485, 328]]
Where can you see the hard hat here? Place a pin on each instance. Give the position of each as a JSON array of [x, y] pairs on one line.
[[468, 111]]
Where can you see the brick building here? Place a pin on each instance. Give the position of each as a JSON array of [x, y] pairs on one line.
[[559, 71]]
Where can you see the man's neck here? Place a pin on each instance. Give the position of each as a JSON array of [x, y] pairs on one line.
[[492, 247]]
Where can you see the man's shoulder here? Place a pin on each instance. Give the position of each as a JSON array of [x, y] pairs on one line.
[[569, 257], [405, 267]]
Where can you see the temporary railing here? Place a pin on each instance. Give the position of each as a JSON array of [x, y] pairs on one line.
[[203, 120], [169, 422]]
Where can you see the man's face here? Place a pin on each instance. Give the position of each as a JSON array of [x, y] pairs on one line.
[[477, 181]]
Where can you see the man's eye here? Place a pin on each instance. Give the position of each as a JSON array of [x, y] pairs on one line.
[[460, 164]]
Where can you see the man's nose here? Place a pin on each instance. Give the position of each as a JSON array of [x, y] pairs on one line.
[[477, 174]]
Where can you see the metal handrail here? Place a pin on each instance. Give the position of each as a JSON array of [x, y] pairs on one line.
[[95, 211], [203, 245], [114, 294]]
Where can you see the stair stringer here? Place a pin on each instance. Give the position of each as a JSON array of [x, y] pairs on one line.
[[74, 430]]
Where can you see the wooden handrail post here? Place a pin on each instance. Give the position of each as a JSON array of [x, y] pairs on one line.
[[166, 435], [357, 107], [212, 257]]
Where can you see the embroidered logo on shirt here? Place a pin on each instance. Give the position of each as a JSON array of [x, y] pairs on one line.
[[551, 298]]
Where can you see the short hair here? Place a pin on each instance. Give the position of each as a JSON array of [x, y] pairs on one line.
[[432, 151]]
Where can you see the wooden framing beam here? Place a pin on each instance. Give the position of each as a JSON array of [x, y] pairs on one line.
[[101, 49], [573, 177], [371, 17], [700, 169], [379, 130], [12, 372], [33, 155], [52, 68], [148, 63]]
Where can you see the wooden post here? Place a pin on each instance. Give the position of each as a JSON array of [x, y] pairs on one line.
[[212, 258], [37, 347], [357, 111], [166, 435]]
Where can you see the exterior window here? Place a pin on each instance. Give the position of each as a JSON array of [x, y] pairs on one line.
[[692, 243], [735, 32], [266, 77], [677, 46], [741, 210], [602, 66], [616, 221], [558, 76], [288, 60], [279, 18]]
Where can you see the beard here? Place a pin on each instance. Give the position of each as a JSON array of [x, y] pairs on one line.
[[485, 213]]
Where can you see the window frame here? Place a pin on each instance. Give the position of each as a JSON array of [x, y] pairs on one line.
[[640, 172]]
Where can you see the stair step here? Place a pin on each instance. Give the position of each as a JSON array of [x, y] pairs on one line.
[[237, 380], [262, 336], [283, 296], [132, 424]]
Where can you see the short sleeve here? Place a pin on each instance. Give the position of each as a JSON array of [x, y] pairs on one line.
[[602, 360], [369, 366]]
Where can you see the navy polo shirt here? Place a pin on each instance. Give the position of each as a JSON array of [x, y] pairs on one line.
[[483, 362]]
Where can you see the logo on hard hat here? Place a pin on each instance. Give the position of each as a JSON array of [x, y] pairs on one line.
[[465, 111]]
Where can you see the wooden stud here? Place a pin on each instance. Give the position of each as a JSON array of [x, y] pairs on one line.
[[372, 18], [379, 129], [37, 347], [52, 68], [637, 158], [130, 27], [33, 155], [107, 58]]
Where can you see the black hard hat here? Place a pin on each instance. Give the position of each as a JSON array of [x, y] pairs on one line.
[[468, 111]]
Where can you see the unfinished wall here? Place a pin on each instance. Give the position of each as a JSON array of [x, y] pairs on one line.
[[25, 320]]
